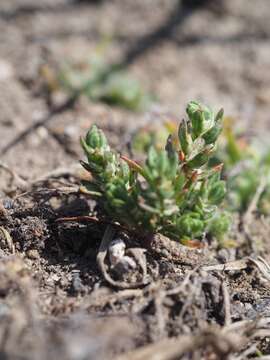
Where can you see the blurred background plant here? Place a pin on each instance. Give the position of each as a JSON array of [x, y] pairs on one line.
[[246, 165], [97, 80]]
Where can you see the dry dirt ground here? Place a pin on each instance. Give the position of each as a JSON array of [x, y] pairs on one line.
[[178, 302]]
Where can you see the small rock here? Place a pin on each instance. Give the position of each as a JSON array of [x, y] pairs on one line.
[[33, 254], [77, 285], [71, 131], [116, 251], [124, 265], [42, 132], [6, 70], [263, 96], [3, 211], [225, 255]]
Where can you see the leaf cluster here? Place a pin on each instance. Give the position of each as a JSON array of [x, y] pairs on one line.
[[246, 162], [174, 192]]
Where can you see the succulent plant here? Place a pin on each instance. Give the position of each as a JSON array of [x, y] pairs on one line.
[[175, 192]]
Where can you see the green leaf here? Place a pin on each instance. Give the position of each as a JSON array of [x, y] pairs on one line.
[[200, 159], [92, 188], [201, 118], [211, 136], [184, 137], [197, 121], [219, 115], [217, 192], [191, 225], [95, 138], [152, 157]]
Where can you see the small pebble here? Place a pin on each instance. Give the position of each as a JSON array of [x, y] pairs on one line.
[[33, 254], [116, 251], [6, 70], [124, 265], [77, 282]]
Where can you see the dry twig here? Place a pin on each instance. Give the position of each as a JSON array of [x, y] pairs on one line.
[[8, 239], [227, 303], [22, 183], [247, 218], [242, 264]]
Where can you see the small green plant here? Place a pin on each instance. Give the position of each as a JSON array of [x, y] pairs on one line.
[[98, 81], [175, 192], [105, 83], [246, 164]]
